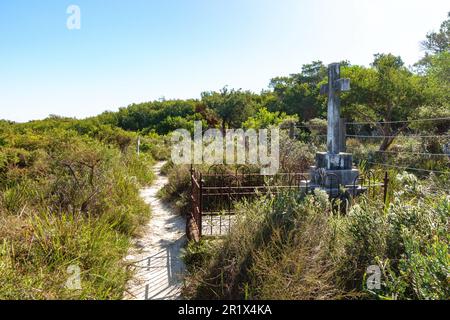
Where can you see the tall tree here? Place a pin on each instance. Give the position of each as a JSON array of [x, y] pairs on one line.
[[437, 42], [384, 93], [233, 107], [435, 67], [299, 94]]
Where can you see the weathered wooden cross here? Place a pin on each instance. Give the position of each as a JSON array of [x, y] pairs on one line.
[[335, 86]]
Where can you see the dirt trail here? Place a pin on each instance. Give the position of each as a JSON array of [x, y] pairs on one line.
[[156, 255]]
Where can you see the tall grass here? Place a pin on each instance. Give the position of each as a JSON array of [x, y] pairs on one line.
[[292, 247], [36, 257], [277, 250], [67, 201]]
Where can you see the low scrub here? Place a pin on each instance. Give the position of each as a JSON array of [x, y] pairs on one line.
[[178, 190], [68, 204], [292, 247]]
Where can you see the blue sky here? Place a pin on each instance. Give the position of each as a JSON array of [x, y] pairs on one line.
[[141, 50]]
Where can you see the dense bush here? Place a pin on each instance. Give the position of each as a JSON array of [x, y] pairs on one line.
[[156, 145], [160, 116], [178, 189], [296, 156], [290, 247], [69, 192], [67, 198]]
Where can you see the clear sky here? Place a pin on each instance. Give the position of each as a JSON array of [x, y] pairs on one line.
[[140, 50]]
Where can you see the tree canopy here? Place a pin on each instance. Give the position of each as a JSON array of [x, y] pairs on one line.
[[385, 91]]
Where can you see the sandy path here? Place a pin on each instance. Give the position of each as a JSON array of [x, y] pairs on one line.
[[155, 256]]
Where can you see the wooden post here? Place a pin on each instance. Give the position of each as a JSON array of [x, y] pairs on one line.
[[385, 185], [292, 130], [139, 145], [200, 208], [189, 216]]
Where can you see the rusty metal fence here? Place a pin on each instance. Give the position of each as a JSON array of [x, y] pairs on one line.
[[215, 194]]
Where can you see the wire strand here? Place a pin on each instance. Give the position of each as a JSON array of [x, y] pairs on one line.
[[415, 153], [307, 127], [408, 168], [408, 136], [405, 121], [410, 153]]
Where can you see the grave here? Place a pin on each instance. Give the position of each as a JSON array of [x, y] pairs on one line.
[[334, 168]]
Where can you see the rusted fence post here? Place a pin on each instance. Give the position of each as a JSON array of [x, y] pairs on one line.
[[292, 130], [191, 216], [194, 219], [385, 185], [200, 207]]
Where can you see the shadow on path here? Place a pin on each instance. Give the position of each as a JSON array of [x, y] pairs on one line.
[[155, 258]]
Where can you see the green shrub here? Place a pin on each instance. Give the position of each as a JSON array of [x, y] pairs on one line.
[[294, 247], [34, 265], [417, 264], [167, 167], [177, 190], [67, 200], [295, 156], [278, 249]]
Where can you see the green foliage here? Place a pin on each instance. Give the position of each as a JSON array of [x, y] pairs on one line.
[[265, 119], [438, 79], [167, 167], [159, 116], [196, 254], [69, 192], [271, 254], [438, 42], [426, 153], [155, 145], [36, 253], [433, 127], [233, 107], [295, 156], [177, 190], [419, 236], [299, 93], [385, 91], [69, 195], [294, 247]]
